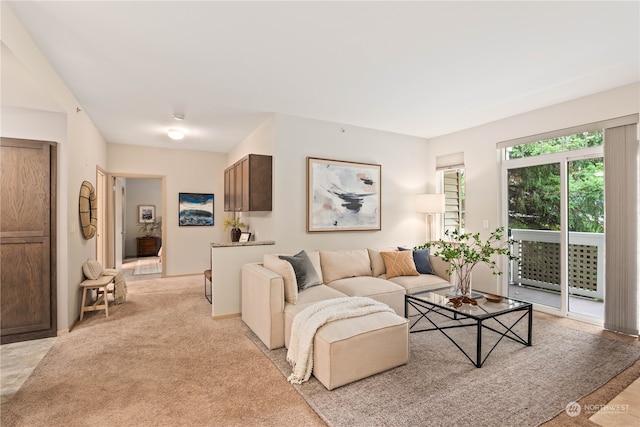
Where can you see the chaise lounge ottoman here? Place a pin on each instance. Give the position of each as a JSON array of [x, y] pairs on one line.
[[351, 349]]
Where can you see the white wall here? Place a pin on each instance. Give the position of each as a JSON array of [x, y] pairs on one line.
[[402, 159], [481, 156], [291, 140], [81, 149], [186, 249]]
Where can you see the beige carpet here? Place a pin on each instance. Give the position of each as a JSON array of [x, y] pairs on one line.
[[517, 386], [158, 360]]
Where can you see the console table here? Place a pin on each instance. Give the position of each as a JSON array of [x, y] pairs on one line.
[[148, 246]]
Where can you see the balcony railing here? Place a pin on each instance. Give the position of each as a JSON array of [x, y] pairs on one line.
[[539, 266]]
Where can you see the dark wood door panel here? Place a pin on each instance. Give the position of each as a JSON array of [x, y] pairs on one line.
[[25, 289], [24, 192]]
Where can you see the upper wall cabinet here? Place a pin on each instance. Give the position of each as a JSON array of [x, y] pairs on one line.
[[247, 184]]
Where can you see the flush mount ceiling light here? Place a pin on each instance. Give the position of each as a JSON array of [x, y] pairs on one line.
[[176, 134]]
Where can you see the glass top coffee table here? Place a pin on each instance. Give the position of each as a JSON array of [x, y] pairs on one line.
[[440, 314]]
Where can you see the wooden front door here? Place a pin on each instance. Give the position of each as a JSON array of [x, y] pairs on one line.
[[27, 239]]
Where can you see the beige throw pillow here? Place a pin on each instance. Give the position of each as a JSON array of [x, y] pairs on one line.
[[92, 269], [399, 263]]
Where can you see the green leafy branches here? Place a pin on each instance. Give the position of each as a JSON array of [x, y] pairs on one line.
[[466, 250]]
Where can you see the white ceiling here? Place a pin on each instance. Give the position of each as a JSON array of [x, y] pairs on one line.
[[416, 68]]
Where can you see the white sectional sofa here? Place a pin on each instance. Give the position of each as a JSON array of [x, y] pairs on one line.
[[272, 296]]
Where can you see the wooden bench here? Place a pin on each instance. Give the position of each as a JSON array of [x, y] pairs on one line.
[[101, 286]]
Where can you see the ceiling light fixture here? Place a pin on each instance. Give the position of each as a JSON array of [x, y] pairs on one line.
[[178, 116], [176, 134]]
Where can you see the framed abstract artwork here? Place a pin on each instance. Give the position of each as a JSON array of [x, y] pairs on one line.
[[343, 196], [195, 209]]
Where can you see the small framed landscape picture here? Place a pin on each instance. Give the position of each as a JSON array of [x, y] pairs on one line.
[[146, 213], [244, 237], [196, 209]]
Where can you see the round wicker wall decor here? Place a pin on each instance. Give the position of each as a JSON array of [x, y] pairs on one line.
[[88, 210]]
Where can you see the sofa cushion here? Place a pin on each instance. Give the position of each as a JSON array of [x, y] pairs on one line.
[[305, 272], [381, 290], [421, 259], [423, 282], [340, 264], [306, 298], [377, 262], [399, 263]]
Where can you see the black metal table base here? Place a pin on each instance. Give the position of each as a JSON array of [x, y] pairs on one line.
[[424, 308]]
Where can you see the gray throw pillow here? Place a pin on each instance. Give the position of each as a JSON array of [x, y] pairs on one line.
[[306, 275]]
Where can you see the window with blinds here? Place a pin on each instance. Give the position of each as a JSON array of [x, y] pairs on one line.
[[451, 166], [453, 188]]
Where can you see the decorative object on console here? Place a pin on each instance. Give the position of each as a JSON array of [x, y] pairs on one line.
[[236, 226], [466, 250], [342, 196], [430, 204], [244, 237], [196, 209]]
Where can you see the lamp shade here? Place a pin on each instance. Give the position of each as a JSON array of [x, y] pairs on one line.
[[430, 203]]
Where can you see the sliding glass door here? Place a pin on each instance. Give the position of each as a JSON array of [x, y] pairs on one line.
[[554, 196]]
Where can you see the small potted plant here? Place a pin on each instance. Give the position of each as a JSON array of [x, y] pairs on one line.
[[466, 250], [236, 226]]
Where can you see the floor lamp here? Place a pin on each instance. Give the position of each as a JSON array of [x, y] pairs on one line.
[[430, 204]]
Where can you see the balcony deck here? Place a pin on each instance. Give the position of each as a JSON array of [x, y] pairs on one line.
[[579, 305]]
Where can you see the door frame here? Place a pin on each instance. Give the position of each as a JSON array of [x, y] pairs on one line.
[[111, 215]]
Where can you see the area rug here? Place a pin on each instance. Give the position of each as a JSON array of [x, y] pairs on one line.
[[149, 265], [517, 385]]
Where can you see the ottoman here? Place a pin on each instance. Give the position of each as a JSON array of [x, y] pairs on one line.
[[348, 350]]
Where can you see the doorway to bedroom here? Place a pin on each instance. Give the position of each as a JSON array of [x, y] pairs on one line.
[[136, 227]]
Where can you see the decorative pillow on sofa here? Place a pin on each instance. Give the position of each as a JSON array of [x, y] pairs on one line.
[[306, 275], [92, 269], [399, 263], [421, 259], [377, 262]]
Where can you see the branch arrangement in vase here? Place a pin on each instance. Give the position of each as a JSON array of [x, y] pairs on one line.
[[466, 250]]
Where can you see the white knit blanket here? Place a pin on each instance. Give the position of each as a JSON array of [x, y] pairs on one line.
[[309, 320], [119, 285]]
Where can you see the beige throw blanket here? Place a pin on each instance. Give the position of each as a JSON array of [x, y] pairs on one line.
[[309, 320], [119, 285]]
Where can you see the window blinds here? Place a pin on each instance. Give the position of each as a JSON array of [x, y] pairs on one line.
[[621, 229], [450, 161]]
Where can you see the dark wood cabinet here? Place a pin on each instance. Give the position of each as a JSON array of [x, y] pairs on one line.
[[248, 184], [148, 246]]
